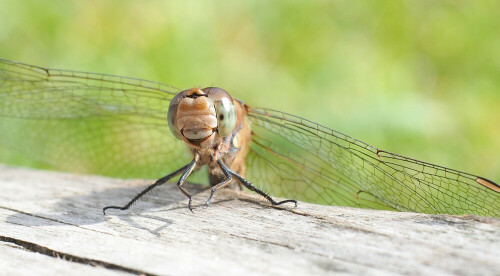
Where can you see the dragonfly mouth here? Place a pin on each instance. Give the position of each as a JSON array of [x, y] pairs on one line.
[[198, 141]]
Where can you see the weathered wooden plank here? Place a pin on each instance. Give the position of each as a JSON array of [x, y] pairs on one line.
[[238, 233]]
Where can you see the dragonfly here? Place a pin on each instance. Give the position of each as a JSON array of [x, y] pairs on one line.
[[132, 128]]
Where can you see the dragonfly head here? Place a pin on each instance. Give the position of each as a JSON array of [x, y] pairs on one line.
[[202, 117]]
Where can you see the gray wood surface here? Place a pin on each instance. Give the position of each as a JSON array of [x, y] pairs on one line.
[[52, 223]]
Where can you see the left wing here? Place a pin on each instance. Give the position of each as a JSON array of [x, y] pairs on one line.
[[88, 123]]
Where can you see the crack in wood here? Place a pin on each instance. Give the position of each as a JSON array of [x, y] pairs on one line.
[[33, 247], [47, 218], [36, 216]]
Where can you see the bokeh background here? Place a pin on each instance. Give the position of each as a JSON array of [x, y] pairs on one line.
[[419, 78]]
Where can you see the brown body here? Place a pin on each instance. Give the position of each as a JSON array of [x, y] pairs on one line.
[[198, 122]]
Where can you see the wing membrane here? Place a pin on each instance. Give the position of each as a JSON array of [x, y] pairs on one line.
[[296, 158], [88, 123]]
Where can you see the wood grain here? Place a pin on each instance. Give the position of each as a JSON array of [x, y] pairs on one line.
[[59, 214]]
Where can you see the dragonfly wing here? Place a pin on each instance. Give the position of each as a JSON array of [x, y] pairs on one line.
[[88, 123], [296, 158]]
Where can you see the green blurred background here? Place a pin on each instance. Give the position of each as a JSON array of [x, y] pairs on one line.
[[419, 78]]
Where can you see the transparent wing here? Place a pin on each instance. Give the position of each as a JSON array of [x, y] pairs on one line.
[[88, 123], [116, 126], [295, 158]]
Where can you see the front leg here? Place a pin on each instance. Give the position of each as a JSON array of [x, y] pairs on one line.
[[223, 183], [149, 188], [189, 169]]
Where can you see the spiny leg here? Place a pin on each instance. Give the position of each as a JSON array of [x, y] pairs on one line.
[[189, 169], [251, 187], [222, 183], [149, 188]]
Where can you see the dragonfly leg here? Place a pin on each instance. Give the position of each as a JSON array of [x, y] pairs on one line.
[[252, 187], [223, 183], [182, 180], [149, 188]]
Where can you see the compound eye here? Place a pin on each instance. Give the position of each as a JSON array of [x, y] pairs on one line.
[[226, 111], [226, 116], [172, 115]]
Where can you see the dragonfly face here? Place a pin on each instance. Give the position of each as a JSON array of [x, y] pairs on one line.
[[202, 117], [111, 125]]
